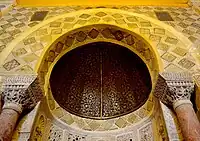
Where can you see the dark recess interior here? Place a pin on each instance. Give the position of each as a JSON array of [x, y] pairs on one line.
[[100, 80]]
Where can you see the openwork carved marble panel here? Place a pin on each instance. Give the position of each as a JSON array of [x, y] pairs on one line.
[[21, 92], [141, 132], [127, 137], [172, 87], [55, 133], [74, 137], [146, 133]]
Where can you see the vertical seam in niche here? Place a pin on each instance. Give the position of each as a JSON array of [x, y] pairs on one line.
[[101, 73]]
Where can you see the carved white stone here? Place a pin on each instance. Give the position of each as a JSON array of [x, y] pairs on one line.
[[24, 136], [172, 87], [21, 92], [127, 137], [16, 107], [56, 133], [170, 122], [146, 132], [181, 102]]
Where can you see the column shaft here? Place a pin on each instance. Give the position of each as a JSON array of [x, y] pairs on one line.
[[0, 104], [20, 92], [8, 120], [188, 121]]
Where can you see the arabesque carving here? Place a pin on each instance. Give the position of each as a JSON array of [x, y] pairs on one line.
[[174, 87], [21, 92]]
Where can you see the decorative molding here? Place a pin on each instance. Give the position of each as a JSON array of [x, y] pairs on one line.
[[21, 92], [181, 102], [172, 87], [14, 106], [24, 80]]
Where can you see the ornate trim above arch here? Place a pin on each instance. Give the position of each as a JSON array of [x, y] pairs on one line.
[[97, 33]]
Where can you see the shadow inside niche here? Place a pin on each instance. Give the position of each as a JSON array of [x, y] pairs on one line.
[[100, 80]]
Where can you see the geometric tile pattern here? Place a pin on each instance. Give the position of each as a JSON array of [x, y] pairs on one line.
[[180, 51], [30, 58], [163, 16], [168, 57], [179, 15], [39, 16], [36, 47], [186, 63], [19, 52], [171, 40], [166, 41], [21, 16], [11, 65], [29, 41], [156, 34]]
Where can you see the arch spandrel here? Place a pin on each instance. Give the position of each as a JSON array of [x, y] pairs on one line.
[[76, 20], [96, 17]]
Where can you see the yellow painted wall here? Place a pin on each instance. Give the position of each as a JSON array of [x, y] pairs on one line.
[[100, 2]]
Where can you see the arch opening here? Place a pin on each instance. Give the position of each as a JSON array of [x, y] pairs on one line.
[[100, 80]]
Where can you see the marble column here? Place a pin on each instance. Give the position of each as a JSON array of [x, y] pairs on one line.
[[175, 89], [188, 121], [0, 102], [8, 120], [19, 93], [0, 94]]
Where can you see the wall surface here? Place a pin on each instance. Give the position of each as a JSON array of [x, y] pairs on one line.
[[23, 41]]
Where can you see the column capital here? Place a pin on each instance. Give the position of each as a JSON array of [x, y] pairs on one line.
[[173, 87], [21, 92]]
